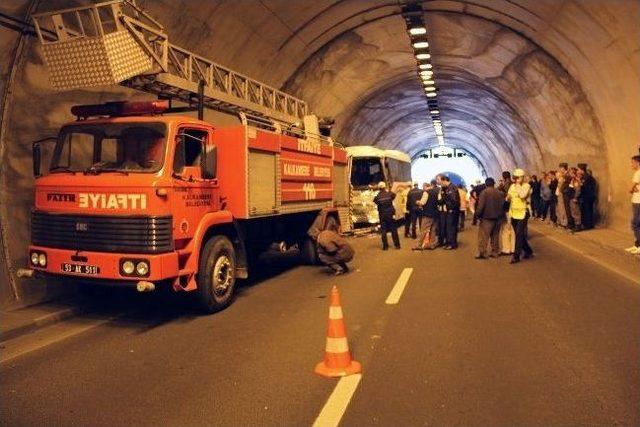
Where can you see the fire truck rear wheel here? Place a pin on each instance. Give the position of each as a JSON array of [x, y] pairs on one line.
[[217, 274]]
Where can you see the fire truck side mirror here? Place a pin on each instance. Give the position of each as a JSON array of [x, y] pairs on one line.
[[210, 163], [36, 159]]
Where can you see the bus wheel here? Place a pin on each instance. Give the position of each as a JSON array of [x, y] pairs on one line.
[[217, 274]]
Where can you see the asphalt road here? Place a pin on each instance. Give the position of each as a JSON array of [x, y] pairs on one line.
[[552, 341]]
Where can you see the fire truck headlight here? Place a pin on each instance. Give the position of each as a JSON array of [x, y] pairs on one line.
[[42, 260], [34, 258], [128, 267], [142, 268]]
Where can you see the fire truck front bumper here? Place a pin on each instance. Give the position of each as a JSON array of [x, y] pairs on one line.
[[132, 268]]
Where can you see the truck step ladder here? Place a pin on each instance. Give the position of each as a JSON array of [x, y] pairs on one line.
[[116, 42]]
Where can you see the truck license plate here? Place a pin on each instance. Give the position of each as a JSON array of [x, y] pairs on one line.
[[80, 269]]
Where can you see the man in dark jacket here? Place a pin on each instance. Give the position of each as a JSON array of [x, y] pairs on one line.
[[490, 211], [452, 208], [334, 251], [414, 195], [386, 212], [587, 197]]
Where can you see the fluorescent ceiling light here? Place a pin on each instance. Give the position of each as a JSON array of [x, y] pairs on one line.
[[423, 56], [431, 94], [420, 45], [426, 81], [416, 31], [425, 66], [435, 112], [430, 88]]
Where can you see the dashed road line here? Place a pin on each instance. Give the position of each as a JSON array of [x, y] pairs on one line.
[[398, 288], [335, 407]]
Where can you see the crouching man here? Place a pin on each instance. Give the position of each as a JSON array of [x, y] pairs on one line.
[[334, 251]]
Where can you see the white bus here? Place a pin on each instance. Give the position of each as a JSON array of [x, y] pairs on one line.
[[367, 167]]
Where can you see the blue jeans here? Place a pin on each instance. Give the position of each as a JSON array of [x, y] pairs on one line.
[[635, 222]]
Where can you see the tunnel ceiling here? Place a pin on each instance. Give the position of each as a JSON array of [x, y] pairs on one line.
[[521, 82]]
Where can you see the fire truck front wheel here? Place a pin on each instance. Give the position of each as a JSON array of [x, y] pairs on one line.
[[217, 274]]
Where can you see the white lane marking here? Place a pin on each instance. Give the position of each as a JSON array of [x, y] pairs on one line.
[[397, 290], [335, 407]]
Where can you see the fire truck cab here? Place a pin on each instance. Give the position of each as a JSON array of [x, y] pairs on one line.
[[135, 196]]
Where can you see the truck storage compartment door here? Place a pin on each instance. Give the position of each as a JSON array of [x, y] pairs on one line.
[[262, 183]]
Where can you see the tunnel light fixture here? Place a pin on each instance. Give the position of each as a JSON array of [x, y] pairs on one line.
[[413, 15]]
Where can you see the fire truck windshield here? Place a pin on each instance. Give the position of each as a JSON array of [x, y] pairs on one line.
[[94, 148]]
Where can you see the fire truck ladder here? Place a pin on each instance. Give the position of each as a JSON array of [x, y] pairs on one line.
[[116, 42]]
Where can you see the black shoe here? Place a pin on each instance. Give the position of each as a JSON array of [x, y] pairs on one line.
[[514, 260], [448, 248], [480, 257], [385, 248]]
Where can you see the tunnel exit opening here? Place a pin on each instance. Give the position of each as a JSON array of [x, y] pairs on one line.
[[461, 167]]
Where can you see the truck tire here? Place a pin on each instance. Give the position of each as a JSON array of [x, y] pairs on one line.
[[216, 274], [309, 251]]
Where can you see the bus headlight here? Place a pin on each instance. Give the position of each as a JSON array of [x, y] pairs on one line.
[[42, 260], [34, 258]]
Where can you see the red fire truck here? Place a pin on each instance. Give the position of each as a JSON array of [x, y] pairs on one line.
[[140, 197], [136, 194]]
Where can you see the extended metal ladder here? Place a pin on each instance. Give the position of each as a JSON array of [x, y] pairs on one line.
[[116, 42]]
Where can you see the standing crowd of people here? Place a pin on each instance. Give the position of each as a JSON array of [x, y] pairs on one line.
[[567, 197]]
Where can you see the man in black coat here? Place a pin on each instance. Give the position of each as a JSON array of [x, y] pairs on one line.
[[386, 212], [413, 196], [451, 202], [490, 210], [587, 198]]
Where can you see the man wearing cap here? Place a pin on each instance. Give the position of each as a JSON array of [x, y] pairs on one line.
[[386, 212], [518, 196]]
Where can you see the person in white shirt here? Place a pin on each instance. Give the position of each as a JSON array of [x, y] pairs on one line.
[[635, 203]]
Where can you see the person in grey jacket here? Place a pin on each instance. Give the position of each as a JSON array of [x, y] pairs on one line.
[[490, 212]]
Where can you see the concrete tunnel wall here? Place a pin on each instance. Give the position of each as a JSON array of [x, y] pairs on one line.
[[523, 83]]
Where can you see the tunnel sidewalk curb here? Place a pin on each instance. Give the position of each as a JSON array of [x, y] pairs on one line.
[[35, 322], [608, 256]]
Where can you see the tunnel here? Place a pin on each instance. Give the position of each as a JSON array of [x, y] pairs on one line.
[[523, 83]]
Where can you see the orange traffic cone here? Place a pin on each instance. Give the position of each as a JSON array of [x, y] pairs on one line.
[[337, 358]]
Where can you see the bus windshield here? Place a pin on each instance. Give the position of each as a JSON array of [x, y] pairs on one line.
[[366, 171], [110, 147]]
